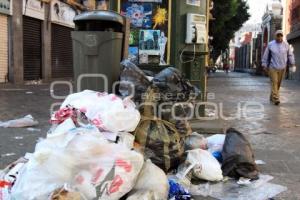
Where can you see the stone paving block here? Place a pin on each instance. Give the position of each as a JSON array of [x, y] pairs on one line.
[[294, 167], [273, 155], [274, 167], [208, 127]]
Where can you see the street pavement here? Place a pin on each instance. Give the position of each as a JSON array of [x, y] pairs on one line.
[[274, 136]]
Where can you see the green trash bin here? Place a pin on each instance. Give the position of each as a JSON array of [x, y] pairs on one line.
[[97, 50]]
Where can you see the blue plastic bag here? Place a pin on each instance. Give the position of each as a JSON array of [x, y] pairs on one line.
[[218, 156], [178, 192]]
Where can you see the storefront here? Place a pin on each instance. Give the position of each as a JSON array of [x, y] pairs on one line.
[[33, 15], [5, 11], [294, 36], [61, 42]]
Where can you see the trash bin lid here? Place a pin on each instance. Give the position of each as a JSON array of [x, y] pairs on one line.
[[99, 15]]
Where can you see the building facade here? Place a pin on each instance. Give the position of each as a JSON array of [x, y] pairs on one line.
[[271, 21], [292, 30], [247, 48], [5, 12], [243, 53], [35, 39]]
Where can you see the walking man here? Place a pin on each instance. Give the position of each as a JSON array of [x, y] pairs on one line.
[[277, 57]]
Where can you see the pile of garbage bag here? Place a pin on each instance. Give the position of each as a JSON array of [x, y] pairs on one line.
[[87, 154], [106, 147], [159, 134]]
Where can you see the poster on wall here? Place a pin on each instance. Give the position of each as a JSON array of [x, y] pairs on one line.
[[140, 14], [6, 7], [34, 9], [143, 58], [62, 13], [148, 42], [160, 18], [133, 54], [134, 37], [193, 2], [149, 22]]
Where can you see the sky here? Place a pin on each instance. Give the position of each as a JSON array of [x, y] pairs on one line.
[[257, 9]]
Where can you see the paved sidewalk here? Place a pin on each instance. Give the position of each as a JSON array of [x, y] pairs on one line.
[[275, 138]]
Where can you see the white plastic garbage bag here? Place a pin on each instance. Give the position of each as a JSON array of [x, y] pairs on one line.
[[152, 178], [215, 143], [9, 173], [26, 121], [107, 111], [4, 193], [121, 178], [87, 163], [111, 169], [203, 165], [62, 134], [47, 170], [84, 185], [113, 174], [126, 139], [121, 138], [8, 177]]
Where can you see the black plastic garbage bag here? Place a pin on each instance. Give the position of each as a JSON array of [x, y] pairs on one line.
[[238, 157], [133, 77], [173, 87], [149, 73]]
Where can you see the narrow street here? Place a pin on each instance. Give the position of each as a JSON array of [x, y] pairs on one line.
[[274, 138]]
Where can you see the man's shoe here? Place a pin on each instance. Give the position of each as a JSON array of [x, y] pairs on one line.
[[277, 102]]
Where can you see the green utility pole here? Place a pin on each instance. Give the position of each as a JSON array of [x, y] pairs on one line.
[[195, 70]]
